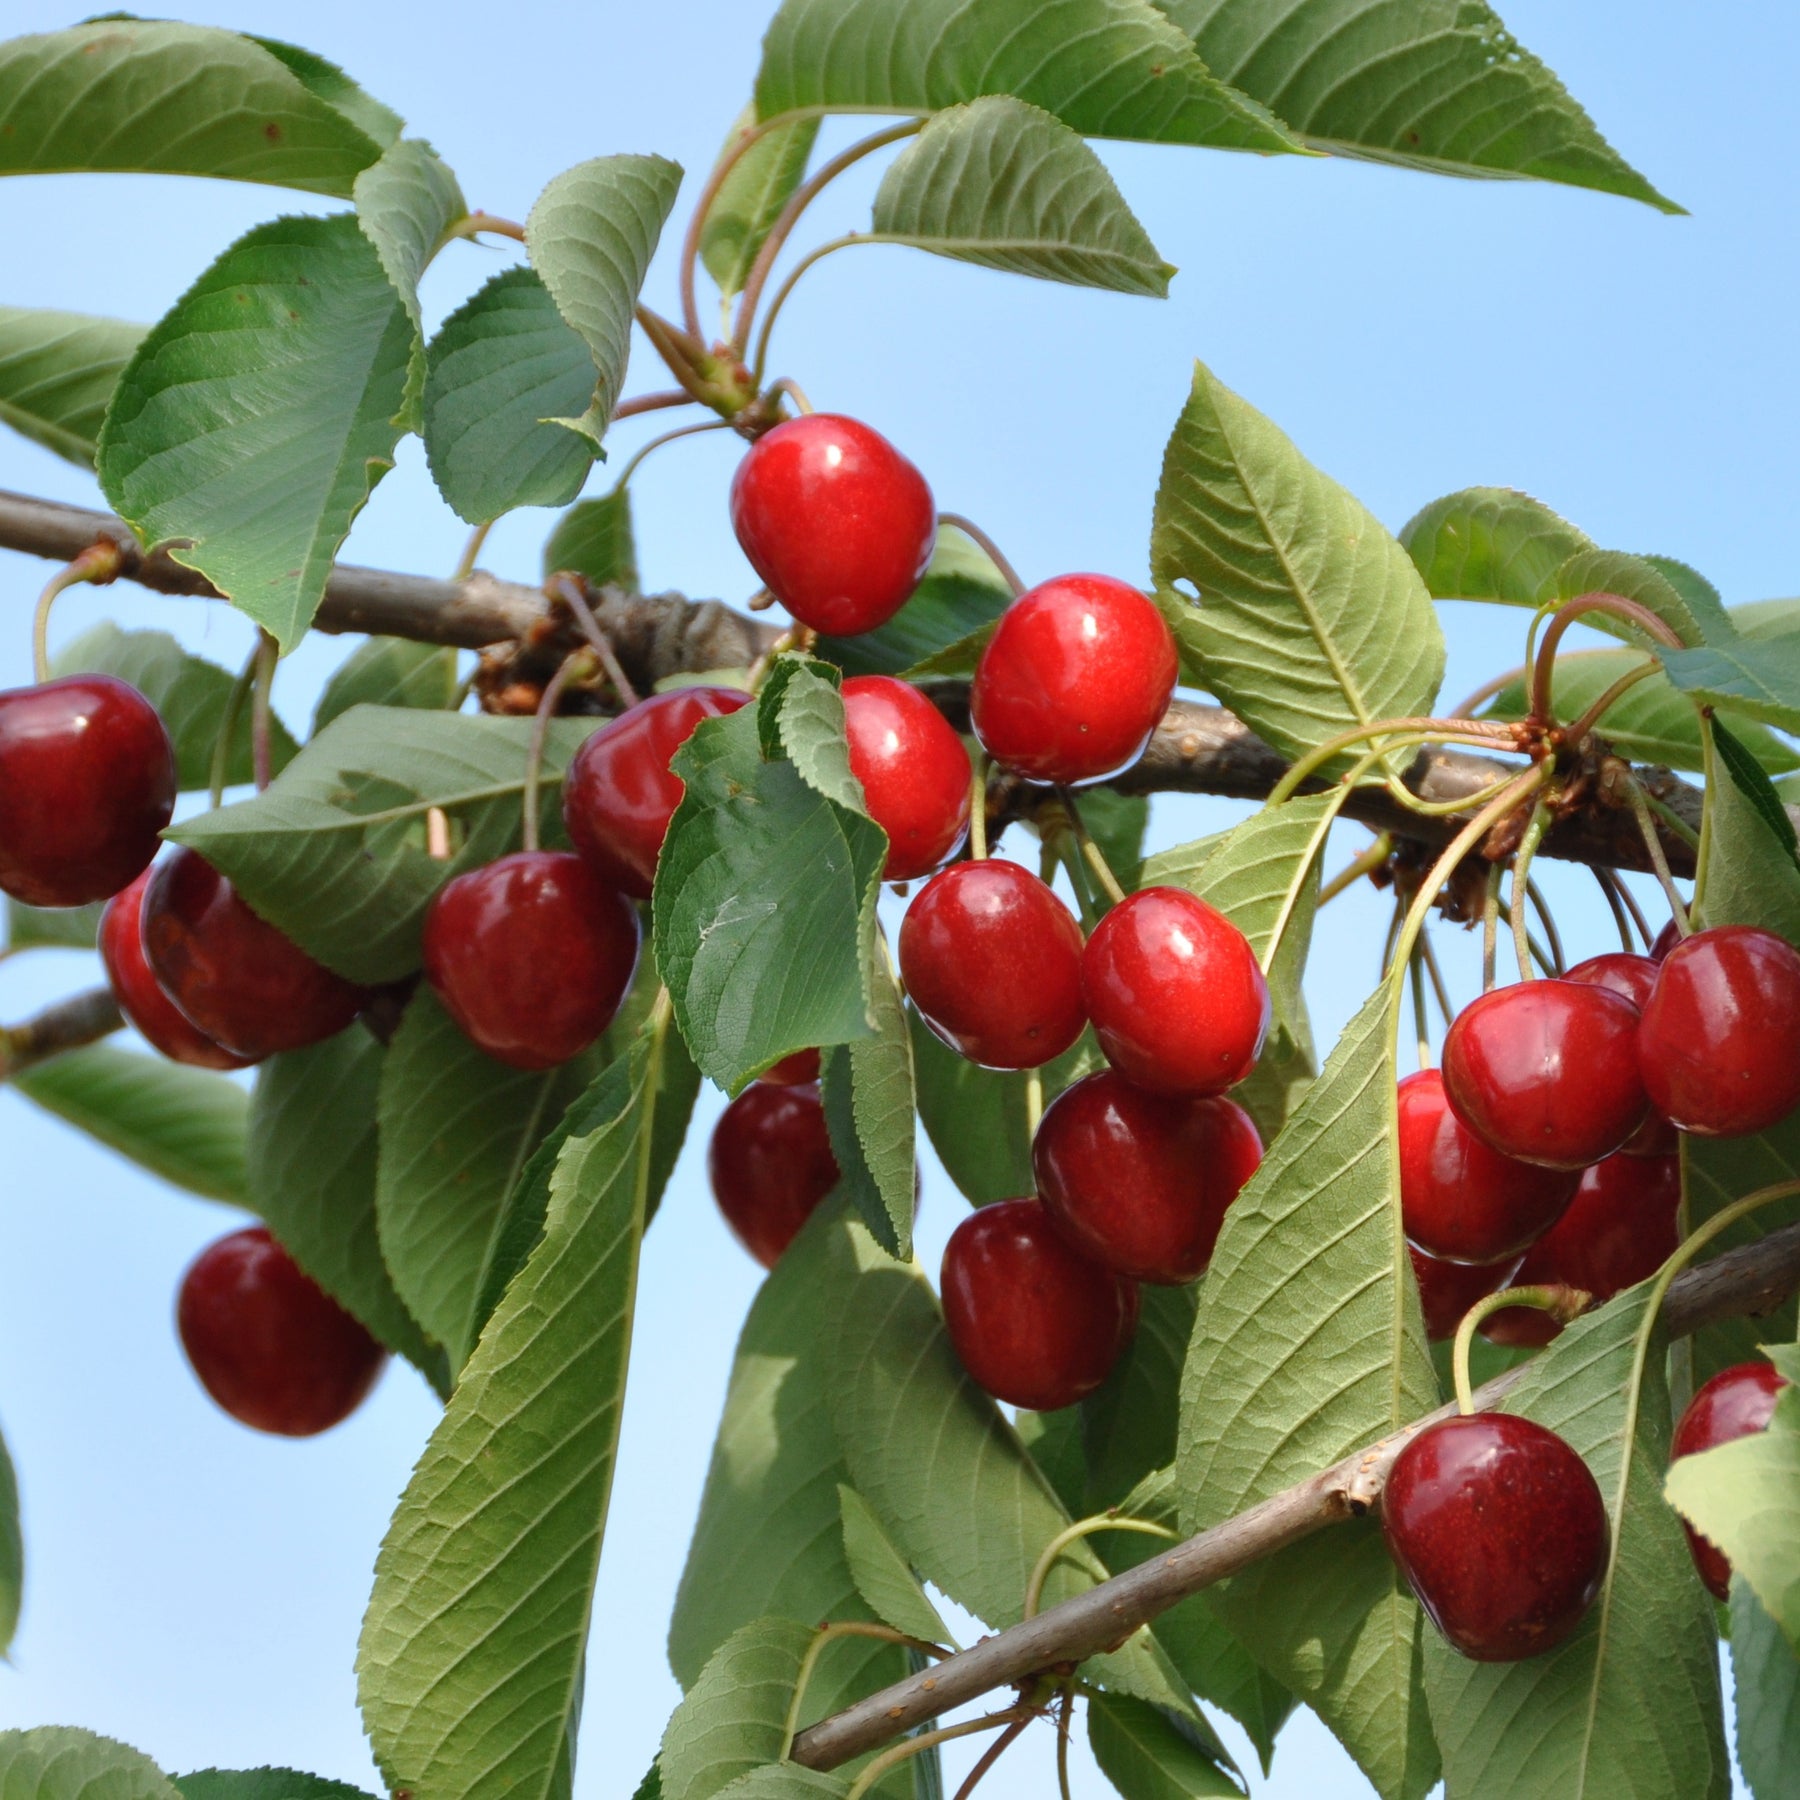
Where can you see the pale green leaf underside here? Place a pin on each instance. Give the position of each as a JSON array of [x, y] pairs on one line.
[[384, 671], [263, 1784], [12, 1551], [1757, 676], [881, 1573], [1489, 543], [751, 197], [1004, 184], [63, 1762], [734, 1717], [57, 372], [1766, 1676], [1145, 1755], [595, 539]]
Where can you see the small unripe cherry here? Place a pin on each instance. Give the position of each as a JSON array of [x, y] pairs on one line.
[[1074, 680], [1738, 1402], [835, 520], [1036, 1323], [915, 773], [992, 960], [770, 1164], [1173, 988], [1141, 1181], [1447, 1290]]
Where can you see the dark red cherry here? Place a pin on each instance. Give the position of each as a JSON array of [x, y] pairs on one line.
[[837, 522], [1738, 1402], [1177, 1000], [1500, 1530], [157, 1018], [232, 974], [1141, 1181], [1074, 680], [1459, 1200], [792, 1071], [914, 772], [1633, 977], [1666, 940], [770, 1164], [618, 794], [1619, 1230], [275, 1351], [531, 955], [1720, 1041], [1035, 1322], [87, 781], [992, 960], [1547, 1071], [1447, 1290]]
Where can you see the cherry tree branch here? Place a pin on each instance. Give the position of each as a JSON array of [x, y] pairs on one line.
[[83, 1018], [1753, 1279]]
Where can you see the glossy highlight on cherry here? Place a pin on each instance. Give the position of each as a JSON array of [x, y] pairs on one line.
[[914, 771]]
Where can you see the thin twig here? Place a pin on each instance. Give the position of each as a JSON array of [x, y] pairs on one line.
[[70, 1024]]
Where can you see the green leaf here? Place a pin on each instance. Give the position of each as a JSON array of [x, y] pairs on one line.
[[1766, 1674], [1128, 1425], [310, 1160], [1489, 543], [384, 671], [751, 197], [504, 371], [1002, 184], [591, 236], [12, 1551], [1766, 618], [765, 891], [789, 1781], [334, 852], [595, 539], [1108, 68], [734, 1717], [1440, 85], [192, 695], [881, 1573], [63, 1762], [1308, 1344], [1148, 1753], [185, 1125], [1311, 620], [52, 927], [263, 1784], [456, 1130], [57, 372], [1746, 774], [257, 416], [103, 97], [1758, 676], [1685, 602], [1741, 1497], [469, 1668], [1629, 1704]]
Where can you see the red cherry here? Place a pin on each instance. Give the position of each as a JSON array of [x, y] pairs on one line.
[[837, 522], [1547, 1071], [1720, 1041], [1633, 977], [157, 1018], [770, 1164], [232, 974], [1033, 1320], [87, 781], [1074, 680], [992, 960], [1178, 1002], [1140, 1181], [792, 1071], [1619, 1230], [1666, 940], [914, 771], [1459, 1200], [275, 1351], [618, 794], [1738, 1402], [531, 955], [1500, 1530], [1447, 1290]]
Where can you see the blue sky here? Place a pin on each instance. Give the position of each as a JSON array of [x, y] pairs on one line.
[[196, 1589]]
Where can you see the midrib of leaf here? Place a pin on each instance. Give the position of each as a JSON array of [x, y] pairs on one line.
[[1035, 245], [1297, 881], [524, 1148]]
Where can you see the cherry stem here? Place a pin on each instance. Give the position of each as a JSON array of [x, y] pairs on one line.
[[924, 1740], [262, 710], [1561, 1303], [1421, 1022], [1064, 1715], [668, 437], [1534, 949], [1574, 734], [991, 1755], [978, 786], [1640, 806], [1073, 1534], [1034, 1102], [1547, 919], [789, 386], [1437, 978], [99, 563], [1094, 856], [234, 710], [1615, 899], [1521, 926], [465, 564], [1402, 734], [1703, 1234], [491, 223], [437, 834], [1391, 942], [567, 588], [995, 554], [1614, 606], [1366, 864], [1488, 689], [1490, 928], [759, 361], [534, 753], [678, 349], [660, 401], [831, 1634]]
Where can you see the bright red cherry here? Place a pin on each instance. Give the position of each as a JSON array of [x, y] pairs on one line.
[[914, 772], [87, 781], [770, 1164], [1720, 1041], [1074, 680], [275, 1351], [1633, 977], [837, 522], [1141, 1181], [618, 794], [1738, 1402], [232, 974], [531, 955], [1619, 1230], [992, 960], [1500, 1530], [1459, 1200], [792, 1071], [1178, 1002], [1547, 1071], [1447, 1290], [1035, 1322], [157, 1018]]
